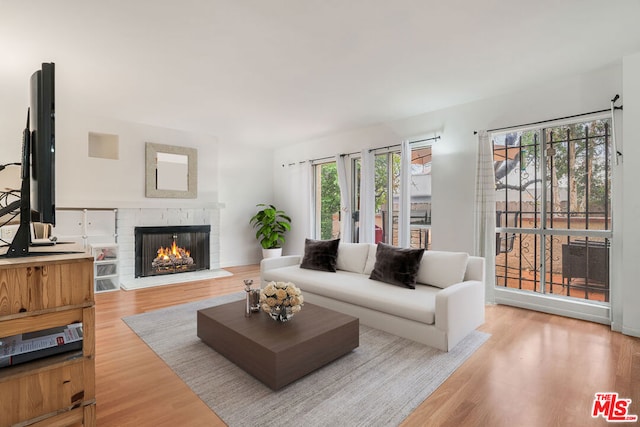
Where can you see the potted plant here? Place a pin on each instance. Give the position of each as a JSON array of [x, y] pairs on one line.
[[271, 224]]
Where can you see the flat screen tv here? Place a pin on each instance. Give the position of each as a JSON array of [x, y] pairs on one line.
[[43, 145], [37, 192]]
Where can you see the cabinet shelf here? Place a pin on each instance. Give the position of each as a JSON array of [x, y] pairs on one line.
[[64, 383], [106, 275], [107, 284], [43, 364], [107, 261]]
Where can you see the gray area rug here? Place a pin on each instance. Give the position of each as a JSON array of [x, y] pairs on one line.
[[378, 384]]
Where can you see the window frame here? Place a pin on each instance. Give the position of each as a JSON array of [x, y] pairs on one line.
[[541, 231]]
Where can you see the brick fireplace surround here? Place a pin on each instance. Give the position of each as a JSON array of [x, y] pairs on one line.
[[129, 218]]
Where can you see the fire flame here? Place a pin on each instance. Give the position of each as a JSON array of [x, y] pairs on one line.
[[165, 253]]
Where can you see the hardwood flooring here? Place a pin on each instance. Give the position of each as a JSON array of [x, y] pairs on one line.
[[535, 370]]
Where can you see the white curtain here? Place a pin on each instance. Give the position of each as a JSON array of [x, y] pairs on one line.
[[342, 163], [485, 211], [307, 180], [367, 198], [404, 227], [299, 180]]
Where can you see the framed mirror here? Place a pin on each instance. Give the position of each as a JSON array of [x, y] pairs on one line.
[[171, 171]]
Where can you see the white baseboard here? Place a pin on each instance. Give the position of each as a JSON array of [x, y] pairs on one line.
[[631, 331], [562, 306]]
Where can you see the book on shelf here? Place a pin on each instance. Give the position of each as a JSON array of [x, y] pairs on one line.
[[35, 345]]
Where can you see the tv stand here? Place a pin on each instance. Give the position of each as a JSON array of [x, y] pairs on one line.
[[44, 293], [21, 241]]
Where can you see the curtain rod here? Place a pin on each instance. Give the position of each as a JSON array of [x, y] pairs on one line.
[[433, 138], [475, 132], [319, 159], [332, 157]]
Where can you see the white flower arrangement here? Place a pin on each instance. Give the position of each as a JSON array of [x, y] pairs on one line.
[[281, 300]]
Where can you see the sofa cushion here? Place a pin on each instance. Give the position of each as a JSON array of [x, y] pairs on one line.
[[442, 269], [352, 257], [354, 288], [396, 266], [371, 258], [320, 255]]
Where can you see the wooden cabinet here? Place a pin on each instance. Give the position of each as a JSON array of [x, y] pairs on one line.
[[39, 293]]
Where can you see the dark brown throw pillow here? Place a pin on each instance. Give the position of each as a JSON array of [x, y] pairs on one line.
[[397, 266], [320, 255]]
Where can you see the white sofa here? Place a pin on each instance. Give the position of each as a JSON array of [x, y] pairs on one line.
[[446, 304]]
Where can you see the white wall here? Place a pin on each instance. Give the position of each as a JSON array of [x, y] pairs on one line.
[[87, 181], [82, 180], [246, 179], [14, 102], [631, 202]]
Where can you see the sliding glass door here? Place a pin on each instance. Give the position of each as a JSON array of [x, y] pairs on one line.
[[327, 201], [553, 210], [387, 186], [387, 195], [420, 193]]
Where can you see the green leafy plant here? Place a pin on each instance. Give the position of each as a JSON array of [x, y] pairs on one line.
[[271, 224]]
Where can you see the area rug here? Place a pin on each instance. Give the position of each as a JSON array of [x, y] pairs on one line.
[[378, 384]]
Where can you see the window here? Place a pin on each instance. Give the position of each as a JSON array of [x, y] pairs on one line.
[[387, 185], [553, 209], [327, 201], [387, 195], [420, 191], [356, 167]]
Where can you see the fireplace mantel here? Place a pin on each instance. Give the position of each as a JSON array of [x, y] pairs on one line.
[[134, 204]]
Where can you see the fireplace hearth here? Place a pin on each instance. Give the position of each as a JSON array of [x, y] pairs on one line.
[[171, 249]]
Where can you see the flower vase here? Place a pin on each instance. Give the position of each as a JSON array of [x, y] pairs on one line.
[[280, 313]]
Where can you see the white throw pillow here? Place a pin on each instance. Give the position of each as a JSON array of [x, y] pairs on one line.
[[371, 258], [442, 269], [352, 257]]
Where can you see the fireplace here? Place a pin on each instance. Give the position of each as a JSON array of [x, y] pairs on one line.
[[171, 249]]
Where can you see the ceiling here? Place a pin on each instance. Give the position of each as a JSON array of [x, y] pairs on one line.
[[275, 72]]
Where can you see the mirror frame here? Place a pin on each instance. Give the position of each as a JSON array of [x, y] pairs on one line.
[[152, 150]]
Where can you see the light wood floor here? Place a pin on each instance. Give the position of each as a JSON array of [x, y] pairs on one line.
[[535, 370]]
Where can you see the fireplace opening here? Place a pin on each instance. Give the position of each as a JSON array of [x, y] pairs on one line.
[[172, 258], [171, 249]]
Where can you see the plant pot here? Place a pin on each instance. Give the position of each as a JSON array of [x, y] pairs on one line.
[[271, 253]]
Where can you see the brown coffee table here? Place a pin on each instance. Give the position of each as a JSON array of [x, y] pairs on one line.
[[278, 353]]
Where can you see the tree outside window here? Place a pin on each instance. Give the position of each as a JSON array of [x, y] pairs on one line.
[[328, 209]]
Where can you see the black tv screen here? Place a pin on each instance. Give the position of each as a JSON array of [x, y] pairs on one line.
[[43, 144]]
